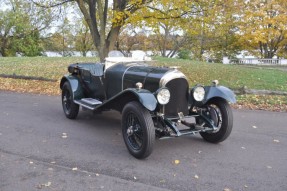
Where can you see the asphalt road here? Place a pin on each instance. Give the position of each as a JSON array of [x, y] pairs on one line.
[[40, 149]]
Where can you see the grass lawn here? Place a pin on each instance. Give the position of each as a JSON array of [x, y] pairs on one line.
[[232, 76]]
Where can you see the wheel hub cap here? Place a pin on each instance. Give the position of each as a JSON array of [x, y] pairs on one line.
[[130, 131]]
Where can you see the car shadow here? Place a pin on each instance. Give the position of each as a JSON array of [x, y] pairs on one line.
[[108, 125]]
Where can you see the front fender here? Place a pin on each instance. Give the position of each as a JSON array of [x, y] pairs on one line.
[[75, 86], [219, 91], [145, 97]]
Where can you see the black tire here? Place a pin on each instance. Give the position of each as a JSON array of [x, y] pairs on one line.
[[221, 114], [71, 109], [138, 130]]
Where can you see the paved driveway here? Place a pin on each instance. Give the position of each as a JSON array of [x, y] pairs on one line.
[[41, 149]]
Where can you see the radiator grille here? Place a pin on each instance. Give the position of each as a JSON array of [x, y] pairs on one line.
[[178, 98]]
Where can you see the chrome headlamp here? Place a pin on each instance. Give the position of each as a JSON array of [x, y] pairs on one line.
[[163, 96], [198, 93]]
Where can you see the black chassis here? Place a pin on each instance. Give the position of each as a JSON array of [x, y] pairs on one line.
[[132, 88]]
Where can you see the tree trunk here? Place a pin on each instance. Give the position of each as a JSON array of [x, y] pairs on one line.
[[96, 14], [3, 47]]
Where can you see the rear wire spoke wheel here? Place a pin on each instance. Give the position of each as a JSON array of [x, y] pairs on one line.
[[71, 109], [138, 130], [219, 111]]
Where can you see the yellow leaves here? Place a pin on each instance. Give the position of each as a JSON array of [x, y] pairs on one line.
[[74, 169], [47, 67], [64, 135], [262, 102], [40, 186], [263, 22], [176, 162], [119, 17], [30, 86], [136, 3]]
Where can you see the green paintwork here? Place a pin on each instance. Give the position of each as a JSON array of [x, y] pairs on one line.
[[125, 75], [113, 79], [75, 86], [148, 76], [117, 85], [145, 97], [219, 91]]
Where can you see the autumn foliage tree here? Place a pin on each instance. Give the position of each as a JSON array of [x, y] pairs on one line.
[[83, 39], [104, 18], [21, 25], [207, 28], [165, 18], [132, 38], [263, 30]]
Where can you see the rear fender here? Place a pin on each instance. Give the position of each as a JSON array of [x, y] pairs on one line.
[[219, 92], [75, 86]]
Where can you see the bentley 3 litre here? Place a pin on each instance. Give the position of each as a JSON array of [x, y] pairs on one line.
[[153, 101]]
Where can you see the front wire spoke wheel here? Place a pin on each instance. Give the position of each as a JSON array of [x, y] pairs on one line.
[[133, 138], [219, 111], [138, 130], [215, 114]]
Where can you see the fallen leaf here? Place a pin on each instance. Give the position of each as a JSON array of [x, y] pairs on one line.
[[40, 186], [176, 161], [64, 135], [47, 184]]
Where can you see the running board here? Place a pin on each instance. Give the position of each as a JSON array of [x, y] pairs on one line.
[[88, 103]]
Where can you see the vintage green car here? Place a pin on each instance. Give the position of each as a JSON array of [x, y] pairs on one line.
[[155, 102]]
